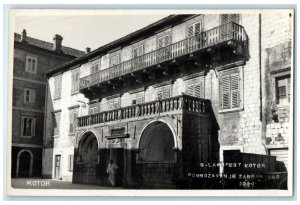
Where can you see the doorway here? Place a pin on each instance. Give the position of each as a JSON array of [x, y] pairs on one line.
[[57, 166], [117, 155], [24, 164]]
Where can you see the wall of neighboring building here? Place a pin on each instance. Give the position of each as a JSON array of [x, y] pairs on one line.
[[277, 47], [45, 61]]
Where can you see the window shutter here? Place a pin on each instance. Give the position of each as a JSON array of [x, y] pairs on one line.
[[159, 95], [234, 18], [160, 42], [190, 30], [224, 18], [225, 92], [166, 93], [189, 89], [71, 130], [197, 28], [135, 52], [32, 96], [235, 90], [198, 90]]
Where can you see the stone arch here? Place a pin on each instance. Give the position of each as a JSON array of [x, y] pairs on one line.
[[163, 121], [87, 148], [157, 143], [26, 162]]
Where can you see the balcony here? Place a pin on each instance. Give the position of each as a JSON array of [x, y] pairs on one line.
[[229, 35], [148, 109]]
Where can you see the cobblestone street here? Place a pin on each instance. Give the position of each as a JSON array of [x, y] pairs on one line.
[[38, 183]]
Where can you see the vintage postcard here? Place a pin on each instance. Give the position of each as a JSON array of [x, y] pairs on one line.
[[151, 102]]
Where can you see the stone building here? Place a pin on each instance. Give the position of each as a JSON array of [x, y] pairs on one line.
[[33, 58], [163, 99]]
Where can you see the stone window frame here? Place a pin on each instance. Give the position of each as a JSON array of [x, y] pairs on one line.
[[32, 126], [31, 97], [240, 72], [29, 68], [274, 77]]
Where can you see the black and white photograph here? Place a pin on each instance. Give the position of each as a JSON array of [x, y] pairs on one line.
[[160, 102]]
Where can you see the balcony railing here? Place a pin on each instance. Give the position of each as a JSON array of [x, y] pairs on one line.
[[182, 102], [223, 33]]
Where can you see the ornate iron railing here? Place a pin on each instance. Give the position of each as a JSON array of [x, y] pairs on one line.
[[223, 33], [182, 102]]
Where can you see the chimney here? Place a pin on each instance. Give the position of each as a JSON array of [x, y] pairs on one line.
[[57, 39], [24, 36], [87, 49]]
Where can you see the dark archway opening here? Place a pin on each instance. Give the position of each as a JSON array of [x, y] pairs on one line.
[[24, 164]]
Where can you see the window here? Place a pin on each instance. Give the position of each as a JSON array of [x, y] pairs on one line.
[[95, 68], [73, 120], [29, 95], [94, 108], [31, 64], [75, 81], [283, 88], [115, 60], [230, 91], [194, 29], [164, 41], [164, 92], [195, 88], [28, 126], [226, 18], [138, 99], [113, 103], [138, 51], [56, 122], [70, 162], [57, 86]]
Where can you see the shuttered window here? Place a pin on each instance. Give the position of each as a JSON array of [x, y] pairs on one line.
[[230, 91], [113, 103], [56, 123], [194, 29], [115, 60], [195, 88], [283, 91], [57, 86], [138, 51], [164, 41], [75, 81], [226, 18], [95, 68], [138, 99], [163, 93], [73, 114]]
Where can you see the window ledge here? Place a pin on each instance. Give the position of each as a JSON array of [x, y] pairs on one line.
[[71, 134], [231, 110], [57, 98], [283, 106], [55, 136]]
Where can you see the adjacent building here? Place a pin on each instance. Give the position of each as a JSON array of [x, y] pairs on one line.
[[33, 58], [170, 98]]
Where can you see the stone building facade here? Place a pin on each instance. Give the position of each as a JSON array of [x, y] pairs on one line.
[[166, 98], [33, 58]]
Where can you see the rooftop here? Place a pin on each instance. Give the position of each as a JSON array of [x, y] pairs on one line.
[[48, 46]]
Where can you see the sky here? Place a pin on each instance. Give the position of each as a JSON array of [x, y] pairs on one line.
[[81, 31]]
